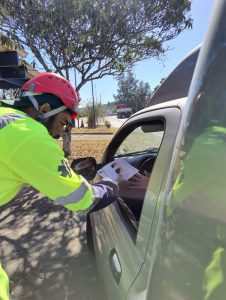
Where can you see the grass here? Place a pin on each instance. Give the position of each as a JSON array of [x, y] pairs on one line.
[[94, 148]]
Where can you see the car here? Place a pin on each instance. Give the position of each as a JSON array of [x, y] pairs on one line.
[[169, 241]]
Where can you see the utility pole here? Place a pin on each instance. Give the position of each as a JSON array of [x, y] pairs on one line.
[[94, 116], [75, 89]]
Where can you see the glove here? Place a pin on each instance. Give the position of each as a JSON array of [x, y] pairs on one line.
[[105, 192]]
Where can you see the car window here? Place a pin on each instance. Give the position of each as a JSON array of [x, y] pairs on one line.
[[141, 139], [140, 148]]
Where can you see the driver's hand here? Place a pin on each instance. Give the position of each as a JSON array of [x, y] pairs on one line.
[[138, 182], [123, 185]]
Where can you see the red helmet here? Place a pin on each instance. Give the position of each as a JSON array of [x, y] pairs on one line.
[[51, 83]]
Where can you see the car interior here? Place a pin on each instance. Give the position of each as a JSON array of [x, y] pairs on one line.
[[138, 144], [139, 147]]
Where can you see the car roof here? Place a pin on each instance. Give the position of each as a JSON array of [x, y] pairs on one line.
[[180, 103], [177, 83], [175, 86]]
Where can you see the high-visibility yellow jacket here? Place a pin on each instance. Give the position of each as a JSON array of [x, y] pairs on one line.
[[29, 155], [4, 285]]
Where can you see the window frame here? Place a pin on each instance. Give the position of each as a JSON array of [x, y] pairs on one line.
[[130, 222], [110, 231], [171, 116]]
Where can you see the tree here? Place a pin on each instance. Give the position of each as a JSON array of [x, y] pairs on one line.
[[144, 94], [99, 114], [127, 85], [97, 38], [133, 93], [158, 85]]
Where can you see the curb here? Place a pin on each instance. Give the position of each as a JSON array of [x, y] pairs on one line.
[[92, 133]]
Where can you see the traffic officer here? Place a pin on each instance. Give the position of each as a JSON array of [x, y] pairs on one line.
[[30, 155]]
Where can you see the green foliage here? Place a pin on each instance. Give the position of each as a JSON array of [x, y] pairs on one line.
[[133, 93], [4, 40], [98, 38]]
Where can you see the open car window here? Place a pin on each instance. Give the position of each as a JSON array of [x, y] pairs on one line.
[[139, 148], [144, 138]]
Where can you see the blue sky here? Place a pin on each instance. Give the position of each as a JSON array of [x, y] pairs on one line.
[[151, 70]]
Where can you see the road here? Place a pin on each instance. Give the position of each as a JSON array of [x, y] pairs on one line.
[[43, 249], [115, 122]]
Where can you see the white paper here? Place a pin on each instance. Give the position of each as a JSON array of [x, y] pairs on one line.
[[118, 170]]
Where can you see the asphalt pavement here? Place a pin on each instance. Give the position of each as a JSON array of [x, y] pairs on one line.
[[115, 122]]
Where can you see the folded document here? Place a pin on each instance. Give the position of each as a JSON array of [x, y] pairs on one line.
[[118, 170]]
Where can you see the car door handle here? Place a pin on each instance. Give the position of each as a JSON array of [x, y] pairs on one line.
[[115, 265]]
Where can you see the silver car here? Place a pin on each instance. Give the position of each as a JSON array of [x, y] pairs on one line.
[[168, 242]]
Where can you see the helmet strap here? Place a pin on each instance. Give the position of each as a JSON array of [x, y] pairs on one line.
[[54, 111], [34, 102], [41, 115]]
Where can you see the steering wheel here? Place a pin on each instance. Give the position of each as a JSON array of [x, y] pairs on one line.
[[147, 165]]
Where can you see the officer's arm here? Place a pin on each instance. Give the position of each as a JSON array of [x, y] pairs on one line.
[[40, 162]]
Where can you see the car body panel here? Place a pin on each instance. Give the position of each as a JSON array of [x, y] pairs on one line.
[[189, 236], [185, 256], [107, 221], [115, 233], [177, 84]]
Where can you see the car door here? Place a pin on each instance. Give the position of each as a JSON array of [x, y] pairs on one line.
[[120, 239]]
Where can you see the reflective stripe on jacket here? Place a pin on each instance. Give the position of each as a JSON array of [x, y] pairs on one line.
[[29, 155]]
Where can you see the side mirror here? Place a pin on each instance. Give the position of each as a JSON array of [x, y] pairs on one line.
[[86, 166]]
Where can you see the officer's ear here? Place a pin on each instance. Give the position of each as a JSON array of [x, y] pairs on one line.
[[45, 107]]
